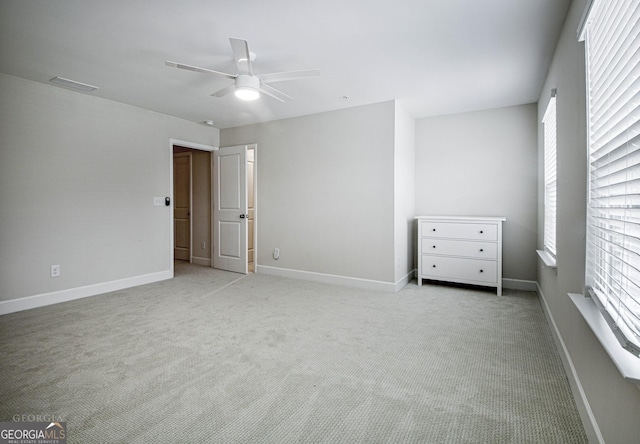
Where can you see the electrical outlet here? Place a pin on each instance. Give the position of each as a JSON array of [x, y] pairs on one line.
[[203, 245], [55, 271], [276, 253]]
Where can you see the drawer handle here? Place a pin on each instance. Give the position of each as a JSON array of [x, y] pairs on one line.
[[434, 246], [482, 249], [434, 229], [481, 231], [481, 271], [433, 266]]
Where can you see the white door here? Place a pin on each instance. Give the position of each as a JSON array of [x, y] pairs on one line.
[[230, 209]]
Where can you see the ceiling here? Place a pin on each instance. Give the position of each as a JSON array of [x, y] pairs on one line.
[[434, 56]]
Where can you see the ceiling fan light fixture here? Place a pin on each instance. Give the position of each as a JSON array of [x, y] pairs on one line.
[[247, 93], [247, 87]]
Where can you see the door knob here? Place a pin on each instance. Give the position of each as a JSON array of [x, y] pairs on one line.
[[242, 216]]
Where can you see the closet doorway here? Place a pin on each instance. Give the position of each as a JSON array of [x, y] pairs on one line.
[[192, 205], [196, 187]]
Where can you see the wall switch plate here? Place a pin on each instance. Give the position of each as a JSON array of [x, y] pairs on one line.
[[276, 253], [55, 271], [158, 201]]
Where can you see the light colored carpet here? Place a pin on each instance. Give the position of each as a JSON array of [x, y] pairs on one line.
[[216, 357]]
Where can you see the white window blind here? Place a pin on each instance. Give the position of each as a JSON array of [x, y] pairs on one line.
[[613, 225], [550, 178]]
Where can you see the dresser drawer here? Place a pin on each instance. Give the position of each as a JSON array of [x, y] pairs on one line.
[[448, 268], [446, 247], [475, 231]]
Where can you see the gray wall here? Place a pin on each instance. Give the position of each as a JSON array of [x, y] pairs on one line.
[[325, 191], [483, 164], [614, 403], [77, 179]]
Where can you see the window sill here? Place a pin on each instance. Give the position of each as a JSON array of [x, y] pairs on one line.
[[627, 364], [548, 260]]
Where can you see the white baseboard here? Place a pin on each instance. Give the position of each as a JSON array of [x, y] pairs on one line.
[[41, 300], [204, 261], [584, 408], [365, 284], [405, 280], [519, 284]]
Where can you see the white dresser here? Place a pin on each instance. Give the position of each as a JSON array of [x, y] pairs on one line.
[[461, 249]]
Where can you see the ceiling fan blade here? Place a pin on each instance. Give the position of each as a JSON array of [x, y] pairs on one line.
[[198, 69], [241, 55], [224, 91], [275, 93], [289, 75]]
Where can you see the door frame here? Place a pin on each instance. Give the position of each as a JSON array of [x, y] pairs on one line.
[[254, 148], [195, 146]]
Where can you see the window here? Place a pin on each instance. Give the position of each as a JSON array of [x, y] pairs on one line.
[[549, 122], [612, 35]]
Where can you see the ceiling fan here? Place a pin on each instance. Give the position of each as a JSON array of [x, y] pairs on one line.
[[247, 85]]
